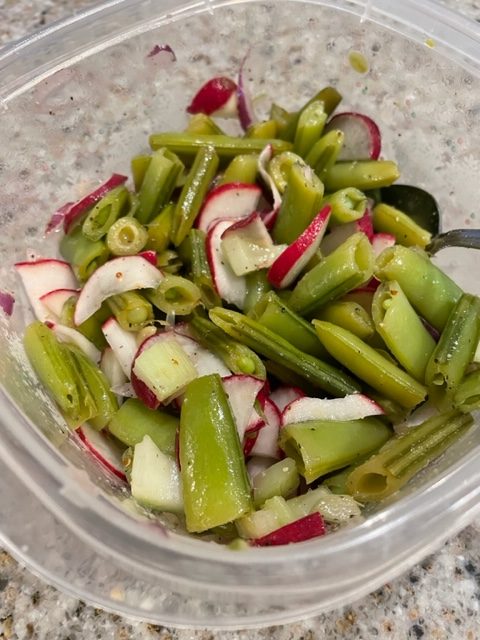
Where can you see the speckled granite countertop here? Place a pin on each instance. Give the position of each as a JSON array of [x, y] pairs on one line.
[[437, 599]]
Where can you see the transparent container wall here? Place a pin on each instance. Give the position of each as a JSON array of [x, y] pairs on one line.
[[68, 132]]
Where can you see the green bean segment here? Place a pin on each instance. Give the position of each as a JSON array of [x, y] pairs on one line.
[[92, 327], [430, 291], [281, 479], [131, 310], [388, 219], [158, 184], [309, 127], [84, 255], [361, 174], [159, 230], [200, 269], [193, 193], [227, 147], [366, 363], [456, 347], [346, 268], [126, 237], [321, 446], [467, 395], [257, 286], [280, 166], [346, 205], [202, 124], [272, 346], [350, 316], [104, 213], [401, 329], [330, 99], [242, 168], [176, 295], [267, 129], [215, 484], [300, 204], [324, 153], [405, 455], [139, 166]]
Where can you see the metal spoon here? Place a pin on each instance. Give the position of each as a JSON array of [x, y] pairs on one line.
[[423, 209]]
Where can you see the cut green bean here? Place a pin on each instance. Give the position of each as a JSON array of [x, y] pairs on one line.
[[267, 130], [160, 228], [309, 127], [276, 348], [193, 193], [350, 316], [131, 310], [227, 147], [242, 168], [289, 378], [273, 313], [201, 274], [84, 255], [176, 295], [430, 291], [456, 347], [280, 166], [324, 153], [361, 174], [126, 237], [280, 479], [257, 286], [237, 357], [133, 421], [104, 213], [405, 455], [91, 328], [346, 268], [216, 488], [158, 184], [387, 219], [202, 124], [286, 122], [368, 365], [321, 446], [139, 166], [467, 394], [401, 329], [169, 261], [98, 386], [300, 204], [346, 205], [330, 98], [337, 481]]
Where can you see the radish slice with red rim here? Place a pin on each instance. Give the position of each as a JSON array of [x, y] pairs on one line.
[[362, 141], [230, 287], [382, 241], [266, 444], [55, 300], [283, 396], [246, 113], [42, 276], [72, 213], [72, 336], [104, 449], [217, 97], [149, 255], [352, 407], [119, 275], [123, 344], [57, 217], [242, 391], [7, 302], [112, 370], [232, 200], [306, 528], [338, 235], [291, 262], [264, 158]]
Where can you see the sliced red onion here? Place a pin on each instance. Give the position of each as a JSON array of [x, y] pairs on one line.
[[7, 302], [246, 113], [75, 210], [218, 97], [162, 48], [264, 158]]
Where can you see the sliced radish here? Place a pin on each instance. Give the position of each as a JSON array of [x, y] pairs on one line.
[[382, 241], [115, 276], [7, 302], [266, 444], [204, 361], [124, 390], [229, 286], [248, 246], [55, 300], [149, 255], [339, 234], [123, 344], [257, 465], [113, 371], [217, 97], [72, 336], [57, 217], [40, 277], [352, 407], [72, 213], [231, 200], [362, 141], [306, 528], [291, 262], [242, 391], [283, 396], [104, 449], [264, 158], [246, 113], [255, 422]]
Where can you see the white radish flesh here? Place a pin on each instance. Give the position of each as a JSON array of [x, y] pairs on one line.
[[233, 200], [352, 407], [123, 344], [362, 140], [283, 396], [55, 300], [230, 287], [104, 449], [72, 336], [242, 391]]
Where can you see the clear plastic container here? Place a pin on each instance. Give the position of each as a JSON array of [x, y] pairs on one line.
[[76, 102]]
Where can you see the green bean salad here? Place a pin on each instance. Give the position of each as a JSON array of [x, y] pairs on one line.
[[238, 333]]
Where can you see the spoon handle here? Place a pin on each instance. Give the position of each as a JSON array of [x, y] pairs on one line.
[[468, 238]]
